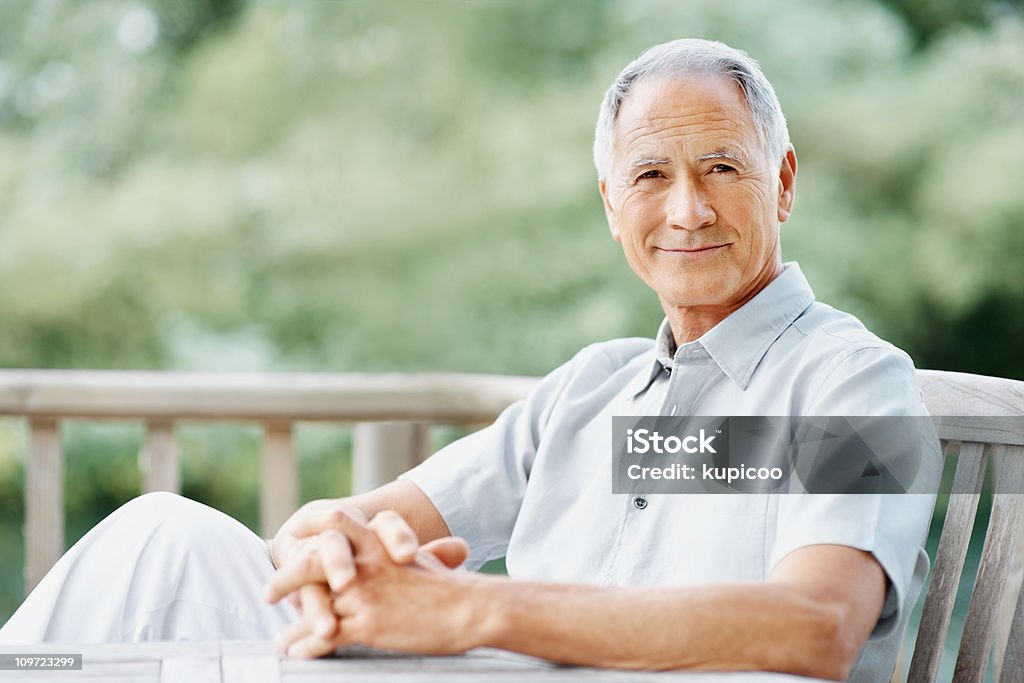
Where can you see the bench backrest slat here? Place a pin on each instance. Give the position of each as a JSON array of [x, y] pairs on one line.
[[990, 584], [1013, 660], [949, 560]]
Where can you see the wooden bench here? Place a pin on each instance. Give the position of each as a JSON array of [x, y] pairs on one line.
[[979, 421]]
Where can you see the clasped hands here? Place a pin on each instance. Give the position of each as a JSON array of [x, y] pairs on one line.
[[369, 582]]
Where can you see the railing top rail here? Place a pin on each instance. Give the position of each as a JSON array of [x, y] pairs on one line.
[[962, 394], [340, 397], [435, 397]]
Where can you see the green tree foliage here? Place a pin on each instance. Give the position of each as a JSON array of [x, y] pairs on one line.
[[927, 19], [356, 185]]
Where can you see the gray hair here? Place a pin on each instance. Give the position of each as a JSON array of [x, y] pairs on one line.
[[693, 55]]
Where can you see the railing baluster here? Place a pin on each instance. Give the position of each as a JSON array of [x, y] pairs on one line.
[[159, 460], [280, 485], [44, 500], [383, 450]]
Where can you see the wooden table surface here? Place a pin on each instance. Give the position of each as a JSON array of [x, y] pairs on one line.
[[257, 662]]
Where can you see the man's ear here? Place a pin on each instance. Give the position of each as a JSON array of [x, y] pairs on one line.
[[787, 183], [609, 212]]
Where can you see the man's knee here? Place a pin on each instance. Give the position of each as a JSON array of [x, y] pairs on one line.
[[156, 508], [170, 529], [175, 518], [156, 502]]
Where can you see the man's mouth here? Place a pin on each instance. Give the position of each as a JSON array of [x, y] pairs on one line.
[[695, 251]]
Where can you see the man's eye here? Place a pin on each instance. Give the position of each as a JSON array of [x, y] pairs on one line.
[[722, 168], [649, 174]]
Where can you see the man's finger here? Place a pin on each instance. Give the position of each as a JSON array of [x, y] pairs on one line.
[[336, 555], [397, 536], [452, 551], [316, 610], [317, 522], [311, 646], [292, 633], [304, 569], [344, 605]]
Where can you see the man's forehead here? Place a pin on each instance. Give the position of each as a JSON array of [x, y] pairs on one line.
[[705, 106]]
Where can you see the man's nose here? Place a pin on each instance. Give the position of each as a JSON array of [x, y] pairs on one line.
[[689, 206]]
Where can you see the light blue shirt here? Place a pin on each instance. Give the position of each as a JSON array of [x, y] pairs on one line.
[[536, 485]]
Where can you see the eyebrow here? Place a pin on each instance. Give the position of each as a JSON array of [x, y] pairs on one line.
[[649, 161], [726, 154], [723, 154]]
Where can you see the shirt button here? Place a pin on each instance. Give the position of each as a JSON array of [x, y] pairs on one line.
[[639, 502]]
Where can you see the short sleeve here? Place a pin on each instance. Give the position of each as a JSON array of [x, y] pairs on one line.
[[478, 482], [875, 381]]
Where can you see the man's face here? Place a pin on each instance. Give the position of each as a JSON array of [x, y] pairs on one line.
[[691, 194]]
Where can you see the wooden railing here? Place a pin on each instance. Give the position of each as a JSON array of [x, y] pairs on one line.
[[391, 412]]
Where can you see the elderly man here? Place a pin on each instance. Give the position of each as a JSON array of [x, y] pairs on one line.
[[696, 173]]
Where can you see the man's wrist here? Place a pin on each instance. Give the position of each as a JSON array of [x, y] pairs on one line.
[[485, 599]]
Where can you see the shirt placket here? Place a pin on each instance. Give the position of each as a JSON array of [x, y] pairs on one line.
[[688, 376]]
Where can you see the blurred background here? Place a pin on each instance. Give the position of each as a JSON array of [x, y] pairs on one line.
[[382, 185]]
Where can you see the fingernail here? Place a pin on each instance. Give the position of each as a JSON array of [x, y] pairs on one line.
[[403, 549], [339, 579]]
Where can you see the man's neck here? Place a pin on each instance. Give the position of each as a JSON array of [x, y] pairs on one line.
[[692, 322]]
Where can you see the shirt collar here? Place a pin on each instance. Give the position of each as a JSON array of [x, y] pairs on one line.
[[739, 342]]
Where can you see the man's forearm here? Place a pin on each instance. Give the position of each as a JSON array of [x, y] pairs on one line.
[[811, 617], [748, 626]]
